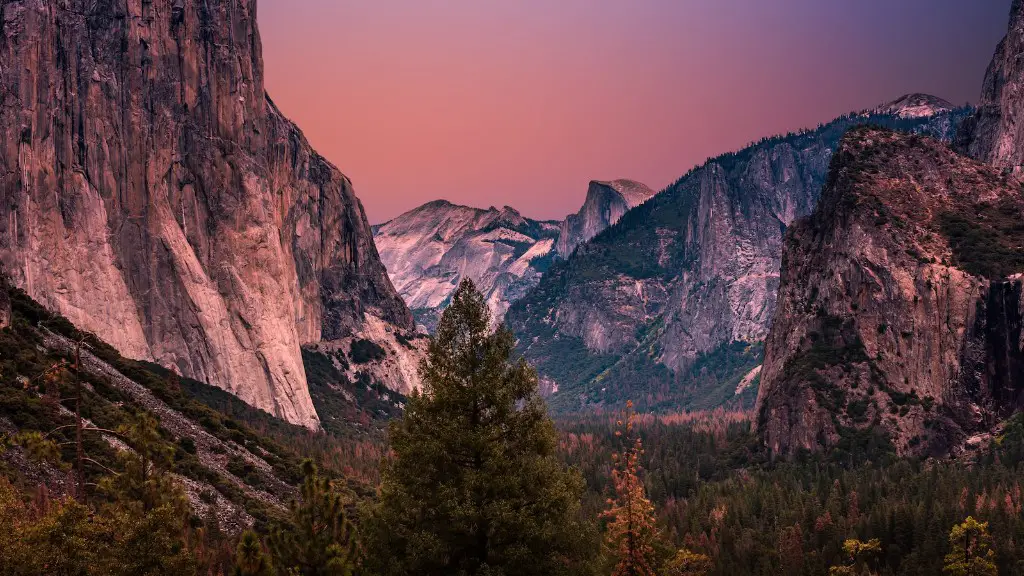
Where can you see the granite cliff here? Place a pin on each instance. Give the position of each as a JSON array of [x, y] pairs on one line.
[[153, 194], [995, 133], [605, 204], [899, 317], [430, 249], [670, 306], [900, 314]]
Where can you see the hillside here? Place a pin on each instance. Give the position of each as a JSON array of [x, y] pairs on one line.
[[670, 306], [899, 319]]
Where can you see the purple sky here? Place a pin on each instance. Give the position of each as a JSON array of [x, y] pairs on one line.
[[523, 102]]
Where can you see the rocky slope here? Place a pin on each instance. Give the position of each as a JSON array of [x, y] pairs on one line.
[[606, 202], [900, 312], [669, 307], [153, 194], [996, 133], [429, 250]]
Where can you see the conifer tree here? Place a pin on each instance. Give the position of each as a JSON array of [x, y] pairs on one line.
[[474, 486], [971, 553], [148, 513], [317, 539], [631, 533], [250, 560]]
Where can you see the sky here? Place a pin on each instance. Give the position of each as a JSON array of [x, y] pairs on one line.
[[523, 102]]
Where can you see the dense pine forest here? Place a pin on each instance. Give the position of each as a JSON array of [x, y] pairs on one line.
[[473, 479]]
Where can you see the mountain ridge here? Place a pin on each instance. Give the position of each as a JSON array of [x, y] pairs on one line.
[[688, 277], [154, 194], [431, 248]]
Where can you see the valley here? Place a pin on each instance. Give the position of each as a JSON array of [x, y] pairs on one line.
[[801, 357]]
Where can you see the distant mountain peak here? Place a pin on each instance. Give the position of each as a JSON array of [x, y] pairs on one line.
[[916, 105]]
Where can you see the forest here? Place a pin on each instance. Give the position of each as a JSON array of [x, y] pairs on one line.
[[473, 478]]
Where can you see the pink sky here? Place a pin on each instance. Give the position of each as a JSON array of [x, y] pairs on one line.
[[523, 102]]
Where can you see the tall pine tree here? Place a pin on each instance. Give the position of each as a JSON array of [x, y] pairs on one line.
[[474, 486], [631, 534]]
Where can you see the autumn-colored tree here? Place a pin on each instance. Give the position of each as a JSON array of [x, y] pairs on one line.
[[861, 558], [631, 533], [317, 538], [971, 553], [687, 563]]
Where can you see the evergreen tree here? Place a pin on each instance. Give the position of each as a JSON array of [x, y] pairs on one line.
[[317, 538], [631, 533], [147, 517], [474, 486], [971, 553], [250, 560]]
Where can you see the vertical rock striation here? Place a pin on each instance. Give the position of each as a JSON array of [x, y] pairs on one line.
[[669, 306], [995, 134], [606, 202], [899, 317], [430, 249], [152, 193]]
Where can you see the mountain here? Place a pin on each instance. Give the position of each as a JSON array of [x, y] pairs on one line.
[[153, 194], [670, 306], [606, 202], [994, 135], [430, 249], [900, 310], [916, 106]]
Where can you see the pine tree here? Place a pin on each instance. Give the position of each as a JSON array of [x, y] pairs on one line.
[[317, 539], [250, 560], [971, 553], [474, 485], [631, 534], [148, 512]]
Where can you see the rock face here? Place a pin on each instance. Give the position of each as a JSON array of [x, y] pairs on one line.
[[429, 250], [5, 305], [899, 316], [606, 202], [669, 307], [916, 106], [153, 194], [996, 133]]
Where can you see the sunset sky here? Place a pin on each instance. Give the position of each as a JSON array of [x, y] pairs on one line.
[[523, 102]]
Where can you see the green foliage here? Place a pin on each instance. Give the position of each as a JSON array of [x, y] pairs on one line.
[[317, 538], [716, 492], [364, 351], [250, 558], [989, 241], [475, 486]]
